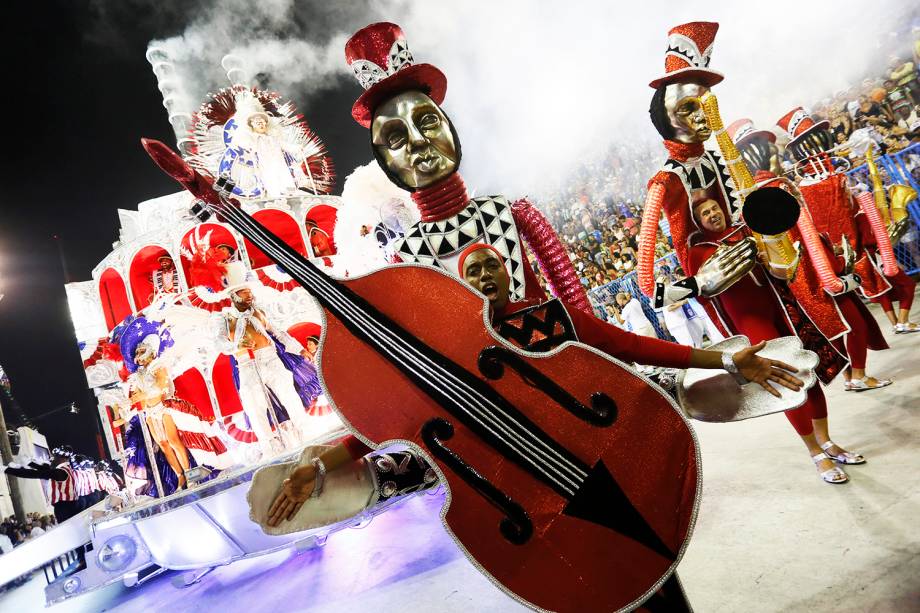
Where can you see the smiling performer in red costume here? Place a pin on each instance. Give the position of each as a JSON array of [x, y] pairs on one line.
[[418, 148]]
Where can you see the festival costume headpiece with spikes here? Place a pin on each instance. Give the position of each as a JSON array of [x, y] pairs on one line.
[[798, 124], [687, 57], [382, 62]]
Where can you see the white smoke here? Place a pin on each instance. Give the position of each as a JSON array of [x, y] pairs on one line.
[[536, 87]]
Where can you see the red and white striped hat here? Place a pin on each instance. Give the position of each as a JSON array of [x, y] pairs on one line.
[[744, 131], [384, 66], [687, 57], [798, 124]]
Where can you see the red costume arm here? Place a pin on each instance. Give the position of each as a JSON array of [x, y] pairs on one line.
[[647, 236], [550, 255], [627, 346], [817, 253], [866, 236]]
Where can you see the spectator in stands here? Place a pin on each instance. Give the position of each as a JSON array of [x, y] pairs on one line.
[[632, 313]]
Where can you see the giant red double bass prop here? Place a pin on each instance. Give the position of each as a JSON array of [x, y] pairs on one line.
[[573, 483]]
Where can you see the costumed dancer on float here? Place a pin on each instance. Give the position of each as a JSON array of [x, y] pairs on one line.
[[164, 278], [270, 362], [832, 213], [260, 160], [702, 202], [418, 148], [62, 479], [174, 425]]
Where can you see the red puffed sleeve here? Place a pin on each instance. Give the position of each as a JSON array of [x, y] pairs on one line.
[[627, 346]]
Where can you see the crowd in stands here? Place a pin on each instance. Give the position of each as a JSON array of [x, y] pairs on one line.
[[597, 213], [884, 109], [18, 532]]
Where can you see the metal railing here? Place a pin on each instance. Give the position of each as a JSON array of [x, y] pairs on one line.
[[901, 167], [605, 294]]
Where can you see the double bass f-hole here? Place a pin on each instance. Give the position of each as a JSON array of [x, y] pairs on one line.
[[516, 527], [492, 361]]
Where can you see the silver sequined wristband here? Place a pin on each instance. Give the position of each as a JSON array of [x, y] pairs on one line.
[[319, 478], [728, 363]]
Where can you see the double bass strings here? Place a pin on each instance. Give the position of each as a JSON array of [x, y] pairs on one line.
[[565, 475], [321, 281]]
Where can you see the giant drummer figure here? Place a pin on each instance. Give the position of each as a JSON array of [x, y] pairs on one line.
[[698, 193], [418, 148]]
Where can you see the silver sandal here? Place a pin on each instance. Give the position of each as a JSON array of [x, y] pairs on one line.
[[834, 475], [847, 457]]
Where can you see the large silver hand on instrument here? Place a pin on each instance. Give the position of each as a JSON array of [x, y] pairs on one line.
[[726, 266], [723, 269]]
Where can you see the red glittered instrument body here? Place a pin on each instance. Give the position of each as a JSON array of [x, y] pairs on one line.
[[569, 564], [573, 482]]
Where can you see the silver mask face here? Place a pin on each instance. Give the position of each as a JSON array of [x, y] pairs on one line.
[[414, 138], [682, 104]]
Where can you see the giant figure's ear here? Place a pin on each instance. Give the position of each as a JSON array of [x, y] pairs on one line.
[[659, 115]]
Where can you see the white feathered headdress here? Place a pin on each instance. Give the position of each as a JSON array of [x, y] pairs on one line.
[[371, 200]]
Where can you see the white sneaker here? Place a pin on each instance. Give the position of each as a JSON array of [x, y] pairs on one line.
[[907, 328]]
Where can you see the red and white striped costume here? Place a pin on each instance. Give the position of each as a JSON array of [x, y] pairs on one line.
[[108, 483], [64, 491]]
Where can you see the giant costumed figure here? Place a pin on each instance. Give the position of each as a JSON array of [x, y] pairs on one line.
[[423, 155], [873, 224], [831, 239], [702, 196]]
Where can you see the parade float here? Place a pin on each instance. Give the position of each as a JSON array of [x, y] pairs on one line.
[[171, 271]]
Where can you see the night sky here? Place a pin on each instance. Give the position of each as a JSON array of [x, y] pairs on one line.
[[82, 96]]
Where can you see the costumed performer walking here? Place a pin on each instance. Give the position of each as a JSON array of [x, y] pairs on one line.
[[831, 208]]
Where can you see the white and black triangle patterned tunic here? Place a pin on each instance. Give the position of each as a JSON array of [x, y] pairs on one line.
[[487, 219], [702, 172]]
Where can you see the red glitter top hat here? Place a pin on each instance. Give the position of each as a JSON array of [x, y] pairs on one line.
[[687, 57], [799, 124], [382, 62], [743, 131]]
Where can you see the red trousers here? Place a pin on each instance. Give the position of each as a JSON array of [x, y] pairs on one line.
[[858, 337], [902, 291]]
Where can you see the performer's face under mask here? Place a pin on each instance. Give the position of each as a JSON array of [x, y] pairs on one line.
[[709, 215], [484, 271], [682, 102], [143, 355], [413, 138]]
